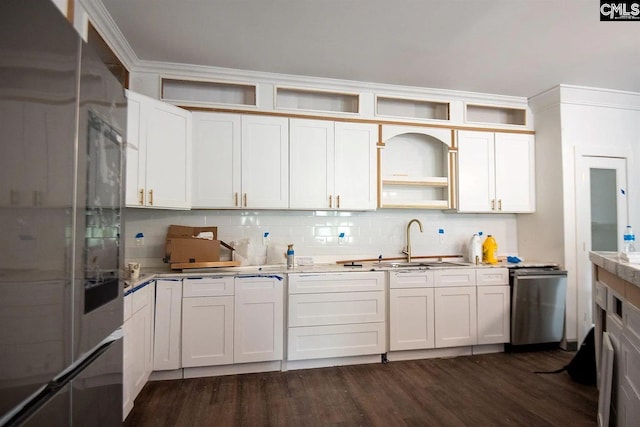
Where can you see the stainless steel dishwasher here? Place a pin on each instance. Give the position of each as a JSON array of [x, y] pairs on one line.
[[538, 297]]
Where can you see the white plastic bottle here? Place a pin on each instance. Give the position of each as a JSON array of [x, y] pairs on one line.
[[475, 249], [629, 240]]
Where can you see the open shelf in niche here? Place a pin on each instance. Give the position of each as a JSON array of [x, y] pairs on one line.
[[204, 92], [415, 173], [496, 115], [411, 108], [316, 100]]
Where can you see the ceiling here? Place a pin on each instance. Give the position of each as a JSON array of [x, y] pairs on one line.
[[508, 47]]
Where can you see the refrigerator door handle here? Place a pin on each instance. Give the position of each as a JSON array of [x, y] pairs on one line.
[[34, 402]]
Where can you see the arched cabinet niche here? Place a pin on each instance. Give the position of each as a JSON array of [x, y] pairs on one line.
[[416, 168]]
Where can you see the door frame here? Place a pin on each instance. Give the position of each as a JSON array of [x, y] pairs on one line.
[[582, 290]]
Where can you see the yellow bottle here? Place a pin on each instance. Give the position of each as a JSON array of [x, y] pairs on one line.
[[490, 250]]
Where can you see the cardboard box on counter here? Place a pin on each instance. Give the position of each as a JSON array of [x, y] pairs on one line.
[[183, 247]]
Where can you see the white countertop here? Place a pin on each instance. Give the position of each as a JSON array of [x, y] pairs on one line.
[[147, 274]]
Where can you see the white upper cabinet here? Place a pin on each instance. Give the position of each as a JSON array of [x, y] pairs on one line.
[[240, 161], [216, 160], [159, 169], [496, 172], [265, 162], [332, 165], [312, 165], [356, 169]]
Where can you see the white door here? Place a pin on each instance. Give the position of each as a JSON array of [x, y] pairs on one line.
[[265, 162], [134, 193], [216, 160], [258, 320], [455, 316], [311, 164], [476, 178], [355, 166], [207, 331], [602, 212], [411, 319], [514, 177], [493, 314], [168, 156], [168, 321]]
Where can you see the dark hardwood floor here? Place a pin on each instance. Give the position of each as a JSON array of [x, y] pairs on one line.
[[486, 390]]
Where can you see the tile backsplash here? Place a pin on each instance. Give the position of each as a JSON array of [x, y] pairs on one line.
[[316, 233]]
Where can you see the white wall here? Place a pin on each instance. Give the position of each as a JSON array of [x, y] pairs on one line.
[[369, 234], [572, 121]]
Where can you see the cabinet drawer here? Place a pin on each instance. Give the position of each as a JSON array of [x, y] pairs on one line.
[[336, 282], [141, 297], [601, 295], [207, 286], [336, 308], [317, 342], [410, 279], [492, 276], [455, 277]]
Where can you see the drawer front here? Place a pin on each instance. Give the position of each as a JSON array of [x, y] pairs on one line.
[[317, 342], [207, 286], [141, 297], [336, 308], [601, 295], [410, 279], [492, 276], [455, 277], [336, 282]]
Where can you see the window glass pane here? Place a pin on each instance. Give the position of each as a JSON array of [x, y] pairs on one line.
[[604, 213]]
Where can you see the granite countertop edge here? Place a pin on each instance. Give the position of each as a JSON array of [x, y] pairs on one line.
[[610, 262]]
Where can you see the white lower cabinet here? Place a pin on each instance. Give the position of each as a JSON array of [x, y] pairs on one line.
[[343, 316], [168, 321], [138, 343], [411, 310], [259, 319], [411, 319], [493, 314], [455, 316], [207, 321], [448, 308]]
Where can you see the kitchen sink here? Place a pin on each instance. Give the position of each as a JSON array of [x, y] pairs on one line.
[[425, 264]]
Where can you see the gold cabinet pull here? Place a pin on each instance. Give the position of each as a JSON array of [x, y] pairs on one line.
[[245, 200], [150, 197], [330, 201], [493, 204], [338, 201], [236, 199], [141, 197], [499, 204]]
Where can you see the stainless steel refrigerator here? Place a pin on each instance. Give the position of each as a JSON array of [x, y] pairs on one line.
[[62, 132]]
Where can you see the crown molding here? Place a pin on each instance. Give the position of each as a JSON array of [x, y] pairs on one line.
[[107, 28]]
